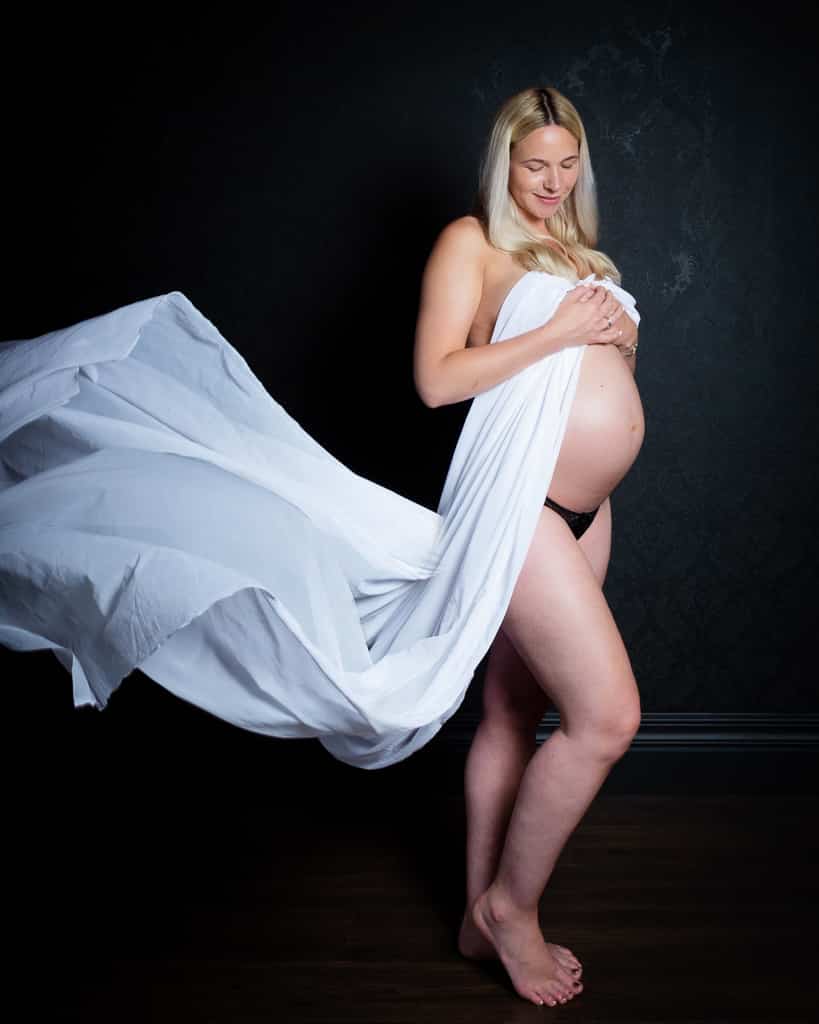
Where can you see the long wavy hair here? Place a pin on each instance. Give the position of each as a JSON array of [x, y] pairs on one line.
[[573, 227]]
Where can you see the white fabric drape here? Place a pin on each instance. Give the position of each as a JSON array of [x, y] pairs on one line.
[[159, 510]]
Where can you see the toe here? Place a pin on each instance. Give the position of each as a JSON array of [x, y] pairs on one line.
[[549, 995], [566, 962], [564, 977], [569, 953], [561, 962]]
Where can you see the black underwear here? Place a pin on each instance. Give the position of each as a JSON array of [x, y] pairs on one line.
[[578, 522]]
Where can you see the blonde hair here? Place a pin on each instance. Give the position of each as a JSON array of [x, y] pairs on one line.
[[573, 227]]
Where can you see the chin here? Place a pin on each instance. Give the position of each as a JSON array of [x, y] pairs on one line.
[[547, 214]]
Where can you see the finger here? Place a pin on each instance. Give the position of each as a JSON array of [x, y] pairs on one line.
[[606, 330], [611, 312], [612, 337]]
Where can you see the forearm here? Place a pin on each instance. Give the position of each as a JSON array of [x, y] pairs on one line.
[[469, 371]]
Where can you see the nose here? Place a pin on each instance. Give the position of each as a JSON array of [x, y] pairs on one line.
[[551, 180]]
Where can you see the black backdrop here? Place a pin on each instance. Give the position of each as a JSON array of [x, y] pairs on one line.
[[289, 171]]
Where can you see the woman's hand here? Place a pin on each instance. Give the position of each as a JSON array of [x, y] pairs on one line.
[[588, 316], [629, 332]]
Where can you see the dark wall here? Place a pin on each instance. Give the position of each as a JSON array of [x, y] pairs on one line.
[[289, 173]]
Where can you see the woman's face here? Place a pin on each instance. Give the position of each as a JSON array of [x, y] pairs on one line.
[[543, 169]]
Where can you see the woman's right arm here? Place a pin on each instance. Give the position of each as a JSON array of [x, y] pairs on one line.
[[445, 370]]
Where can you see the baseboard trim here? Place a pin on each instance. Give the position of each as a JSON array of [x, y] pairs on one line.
[[682, 731]]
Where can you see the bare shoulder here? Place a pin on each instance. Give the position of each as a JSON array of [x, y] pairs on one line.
[[463, 241], [469, 227], [456, 263], [464, 233]]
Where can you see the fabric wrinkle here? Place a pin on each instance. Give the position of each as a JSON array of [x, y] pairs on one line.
[[161, 511]]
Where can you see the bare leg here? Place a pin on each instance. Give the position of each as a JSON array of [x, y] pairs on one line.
[[503, 744], [563, 629], [501, 748]]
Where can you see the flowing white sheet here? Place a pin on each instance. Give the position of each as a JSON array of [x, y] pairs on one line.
[[159, 510]]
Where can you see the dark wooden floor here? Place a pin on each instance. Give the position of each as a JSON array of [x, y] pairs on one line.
[[240, 879]]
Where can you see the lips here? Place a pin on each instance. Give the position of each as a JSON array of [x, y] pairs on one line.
[[547, 199]]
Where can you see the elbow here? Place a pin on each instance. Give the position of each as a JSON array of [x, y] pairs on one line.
[[432, 384], [428, 396], [436, 401]]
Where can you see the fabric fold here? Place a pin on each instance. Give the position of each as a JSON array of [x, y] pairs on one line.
[[160, 510]]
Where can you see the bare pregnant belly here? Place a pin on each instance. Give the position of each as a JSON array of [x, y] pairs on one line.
[[604, 431]]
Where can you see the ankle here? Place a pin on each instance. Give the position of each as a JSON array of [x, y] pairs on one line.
[[501, 908]]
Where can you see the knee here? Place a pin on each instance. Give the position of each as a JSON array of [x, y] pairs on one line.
[[611, 732]]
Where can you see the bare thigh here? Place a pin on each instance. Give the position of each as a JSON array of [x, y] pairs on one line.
[[571, 652]]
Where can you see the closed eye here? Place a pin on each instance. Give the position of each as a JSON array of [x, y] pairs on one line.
[[566, 166]]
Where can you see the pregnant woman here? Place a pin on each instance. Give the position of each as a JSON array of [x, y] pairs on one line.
[[160, 510], [537, 219]]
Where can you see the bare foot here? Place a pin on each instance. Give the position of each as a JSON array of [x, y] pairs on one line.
[[533, 968], [472, 944]]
